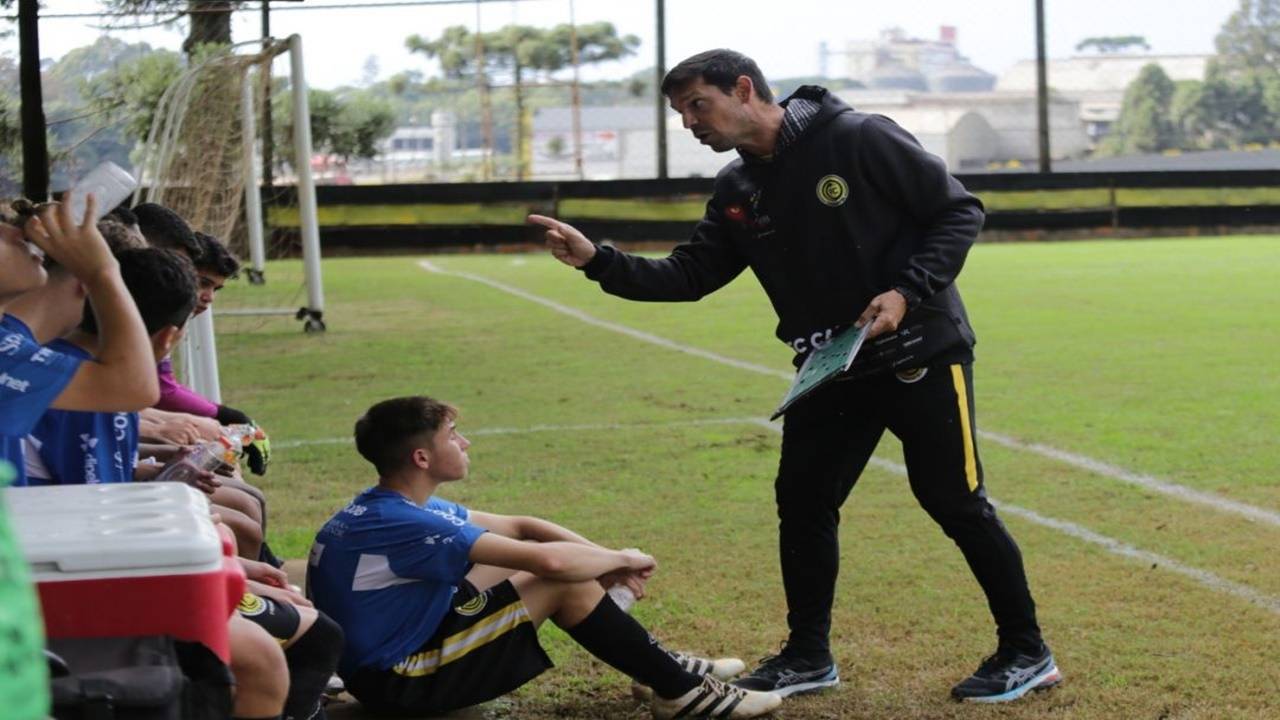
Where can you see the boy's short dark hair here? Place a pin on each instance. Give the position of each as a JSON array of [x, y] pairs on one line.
[[119, 238], [162, 283], [165, 228], [719, 67], [215, 257], [386, 432], [124, 216]]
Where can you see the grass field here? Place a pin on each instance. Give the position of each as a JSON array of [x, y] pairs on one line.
[[1128, 400]]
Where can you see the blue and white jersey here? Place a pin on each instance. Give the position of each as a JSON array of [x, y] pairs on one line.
[[31, 378], [68, 447], [386, 569]]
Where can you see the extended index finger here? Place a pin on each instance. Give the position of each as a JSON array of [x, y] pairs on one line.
[[549, 223]]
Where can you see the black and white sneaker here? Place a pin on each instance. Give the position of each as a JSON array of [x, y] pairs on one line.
[[718, 668], [1008, 675], [787, 675], [715, 699]]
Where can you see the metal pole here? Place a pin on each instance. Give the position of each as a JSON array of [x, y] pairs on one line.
[[268, 139], [1042, 91], [306, 188], [659, 74], [577, 98], [35, 148], [252, 197], [202, 357], [482, 77]]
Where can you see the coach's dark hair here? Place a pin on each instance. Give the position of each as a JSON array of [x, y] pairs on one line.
[[163, 286], [165, 228], [719, 67], [389, 430], [215, 257]]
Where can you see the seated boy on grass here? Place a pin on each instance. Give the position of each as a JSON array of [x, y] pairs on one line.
[[440, 604]]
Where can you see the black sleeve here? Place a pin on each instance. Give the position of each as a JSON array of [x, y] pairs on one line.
[[698, 267], [231, 416], [919, 183]]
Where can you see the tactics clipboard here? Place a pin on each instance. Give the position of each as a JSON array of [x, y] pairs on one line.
[[824, 365]]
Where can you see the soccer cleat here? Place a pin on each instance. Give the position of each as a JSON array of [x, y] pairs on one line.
[[787, 675], [720, 668], [1008, 675], [715, 699]]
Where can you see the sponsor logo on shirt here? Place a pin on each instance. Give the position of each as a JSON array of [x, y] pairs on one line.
[[355, 510], [10, 344], [13, 383], [447, 517], [42, 356]]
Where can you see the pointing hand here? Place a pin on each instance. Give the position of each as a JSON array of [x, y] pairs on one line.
[[566, 243]]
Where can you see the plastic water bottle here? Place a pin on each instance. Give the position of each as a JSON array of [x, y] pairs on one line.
[[242, 435], [110, 185], [622, 597], [205, 457]]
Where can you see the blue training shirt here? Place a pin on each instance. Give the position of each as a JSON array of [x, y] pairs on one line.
[[31, 378], [386, 569], [83, 447]]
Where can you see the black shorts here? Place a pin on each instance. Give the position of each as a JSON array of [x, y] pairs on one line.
[[280, 620], [486, 646]]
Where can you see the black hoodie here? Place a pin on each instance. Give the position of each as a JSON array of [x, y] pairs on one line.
[[851, 208]]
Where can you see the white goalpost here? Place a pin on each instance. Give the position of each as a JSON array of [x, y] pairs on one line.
[[201, 161]]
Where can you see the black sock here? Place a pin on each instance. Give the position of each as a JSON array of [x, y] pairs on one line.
[[269, 717], [616, 638], [312, 660]]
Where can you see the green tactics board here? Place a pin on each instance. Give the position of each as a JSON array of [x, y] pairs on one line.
[[823, 365]]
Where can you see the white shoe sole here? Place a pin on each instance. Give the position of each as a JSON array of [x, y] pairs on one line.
[[1045, 680], [808, 687]]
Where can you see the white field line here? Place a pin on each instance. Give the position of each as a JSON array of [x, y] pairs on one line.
[[480, 432], [623, 329], [1153, 484], [1164, 487], [1111, 545]]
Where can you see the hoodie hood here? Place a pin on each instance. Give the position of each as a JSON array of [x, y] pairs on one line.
[[805, 110]]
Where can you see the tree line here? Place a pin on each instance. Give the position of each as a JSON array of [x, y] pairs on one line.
[[1237, 104]]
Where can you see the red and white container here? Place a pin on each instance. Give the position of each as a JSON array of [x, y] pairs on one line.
[[128, 559]]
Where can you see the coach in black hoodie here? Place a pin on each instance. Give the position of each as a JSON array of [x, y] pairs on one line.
[[844, 219]]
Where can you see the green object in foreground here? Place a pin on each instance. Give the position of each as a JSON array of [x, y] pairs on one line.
[[823, 365], [24, 680]]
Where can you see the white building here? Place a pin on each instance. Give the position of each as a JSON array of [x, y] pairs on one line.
[[973, 130], [896, 61], [412, 150], [1098, 82], [970, 131]]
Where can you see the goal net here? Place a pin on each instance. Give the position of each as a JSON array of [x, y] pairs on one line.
[[202, 160]]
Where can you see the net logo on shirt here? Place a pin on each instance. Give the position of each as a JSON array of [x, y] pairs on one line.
[[13, 383]]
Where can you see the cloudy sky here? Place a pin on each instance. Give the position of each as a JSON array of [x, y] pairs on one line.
[[993, 33]]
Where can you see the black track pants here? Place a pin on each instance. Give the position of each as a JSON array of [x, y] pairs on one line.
[[826, 442]]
